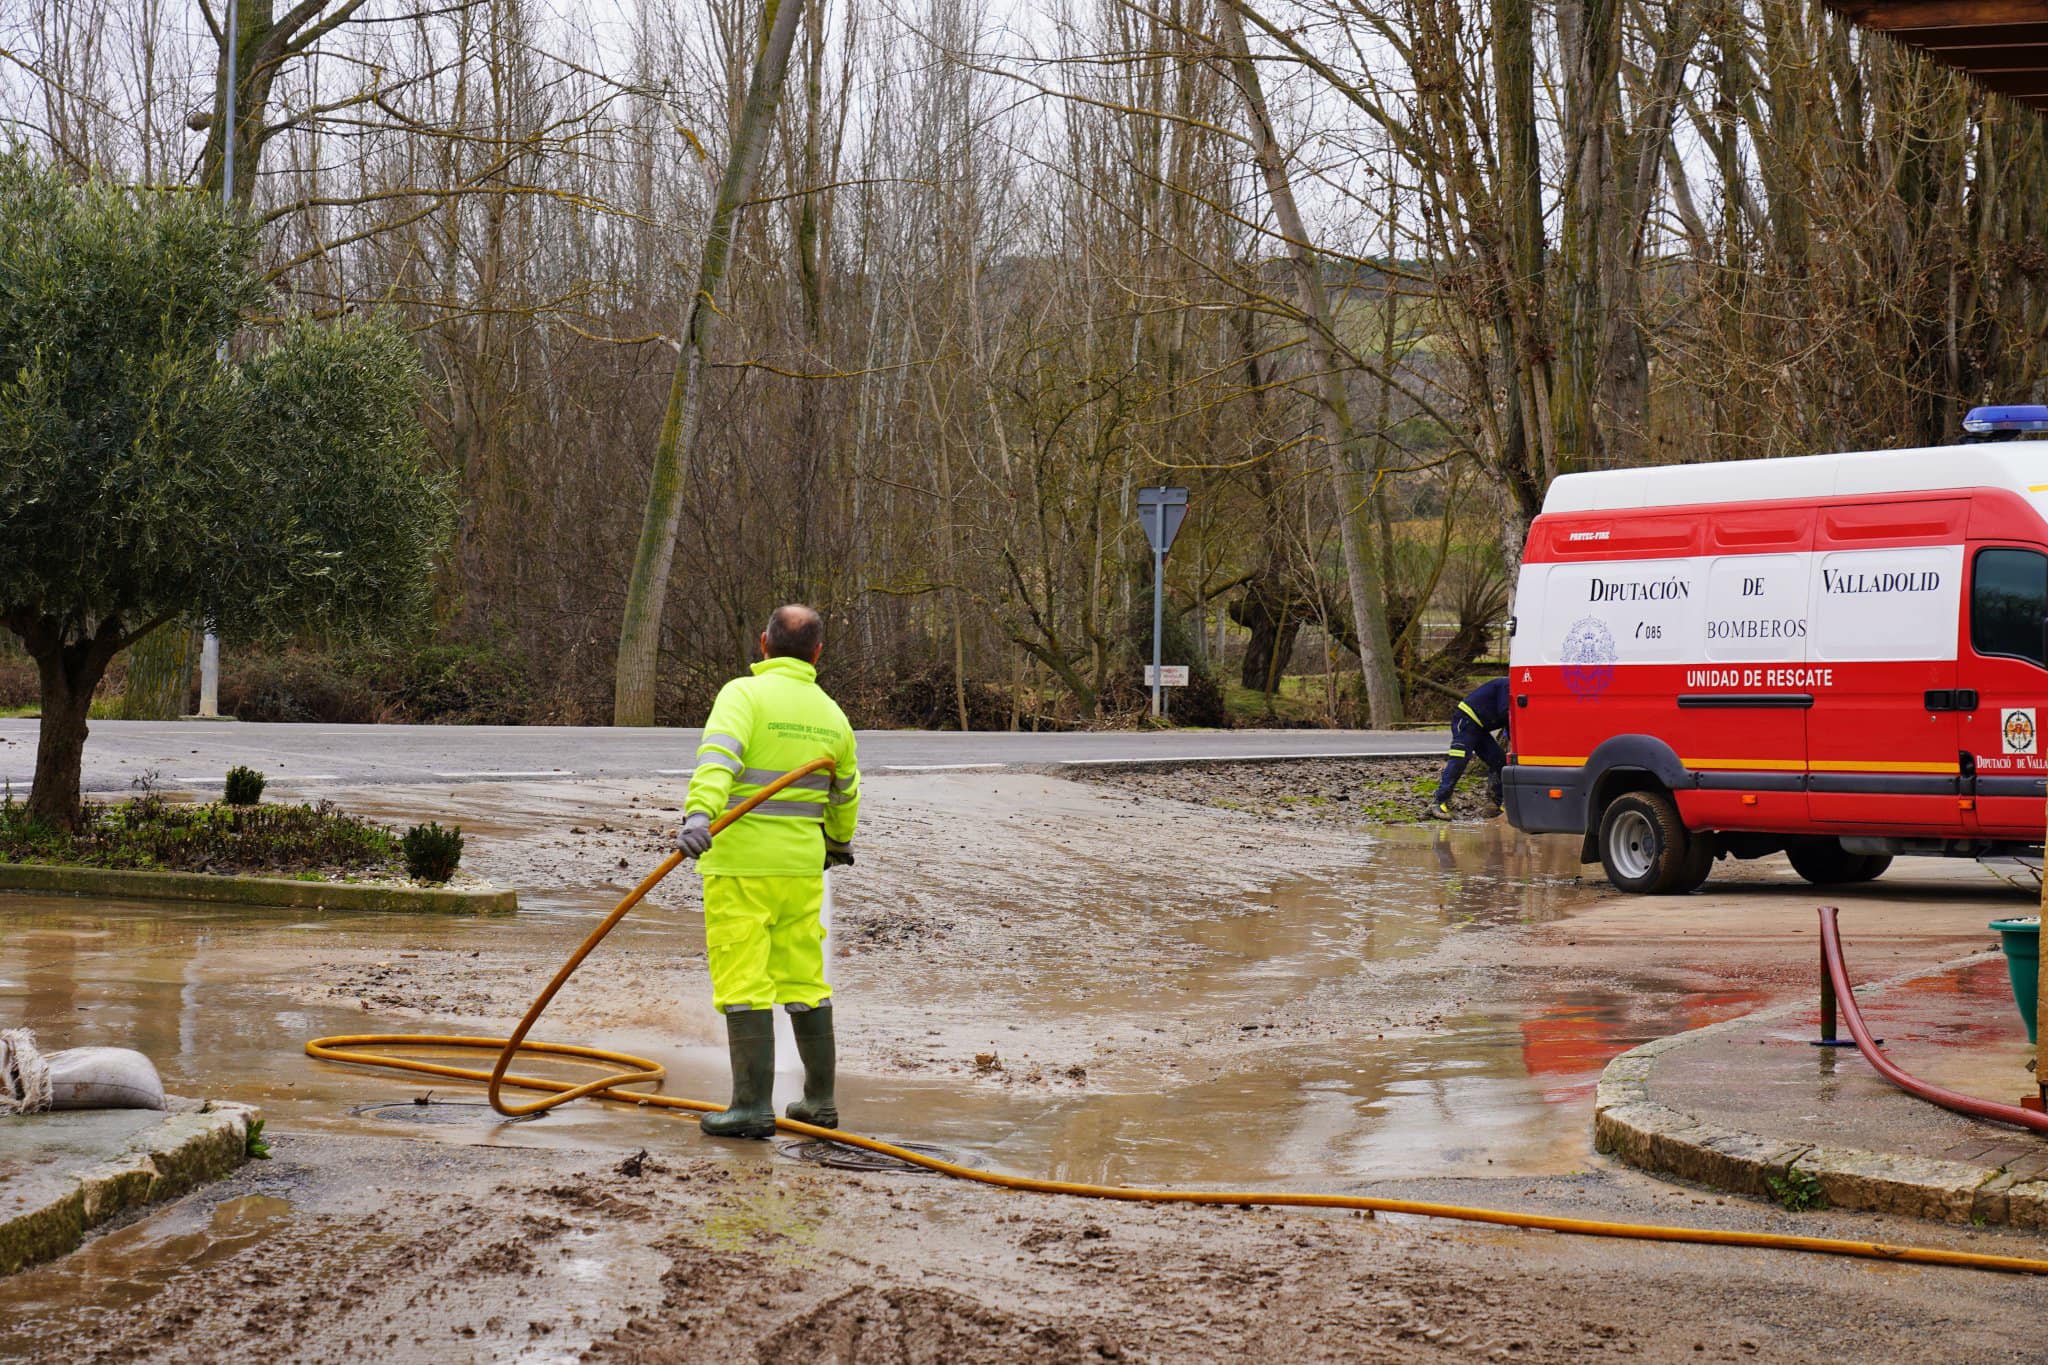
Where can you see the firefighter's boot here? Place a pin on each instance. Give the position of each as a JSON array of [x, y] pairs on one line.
[[750, 1039], [813, 1029]]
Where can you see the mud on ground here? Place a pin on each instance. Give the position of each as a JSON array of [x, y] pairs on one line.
[[673, 1256], [1091, 980], [1349, 793], [1018, 903]]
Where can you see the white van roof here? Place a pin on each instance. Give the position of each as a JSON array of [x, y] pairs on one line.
[[2021, 466]]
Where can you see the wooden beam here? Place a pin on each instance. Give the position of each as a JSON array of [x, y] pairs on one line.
[[2001, 44], [2019, 84], [1887, 15], [2017, 57], [1990, 36]]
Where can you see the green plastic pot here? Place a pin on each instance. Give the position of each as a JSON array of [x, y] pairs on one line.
[[2021, 939]]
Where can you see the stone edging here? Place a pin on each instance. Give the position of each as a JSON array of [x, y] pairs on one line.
[[282, 892], [1636, 1129], [193, 1144]]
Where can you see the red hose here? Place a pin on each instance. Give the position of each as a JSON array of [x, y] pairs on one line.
[[1845, 997]]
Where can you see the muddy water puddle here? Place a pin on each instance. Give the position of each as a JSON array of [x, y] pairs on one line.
[[212, 994], [117, 1273], [1505, 1092], [1478, 1074]]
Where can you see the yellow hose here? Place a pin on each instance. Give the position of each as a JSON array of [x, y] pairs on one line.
[[639, 1071]]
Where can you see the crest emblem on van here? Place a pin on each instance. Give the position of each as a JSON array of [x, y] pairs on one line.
[[1588, 657], [2016, 728]]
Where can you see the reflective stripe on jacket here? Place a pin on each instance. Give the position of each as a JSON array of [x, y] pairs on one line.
[[760, 728], [1486, 705]]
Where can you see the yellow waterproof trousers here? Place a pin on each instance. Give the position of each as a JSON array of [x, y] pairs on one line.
[[766, 941]]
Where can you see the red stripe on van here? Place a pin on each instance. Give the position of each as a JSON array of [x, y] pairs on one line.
[[1853, 522]]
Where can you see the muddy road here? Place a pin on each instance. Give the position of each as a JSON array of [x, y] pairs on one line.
[[1092, 980]]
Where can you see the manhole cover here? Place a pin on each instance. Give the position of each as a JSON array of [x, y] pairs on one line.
[[821, 1152], [435, 1111]]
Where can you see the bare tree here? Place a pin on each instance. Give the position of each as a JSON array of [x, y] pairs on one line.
[[647, 589]]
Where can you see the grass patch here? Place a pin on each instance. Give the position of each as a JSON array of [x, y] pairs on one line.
[[150, 834], [1300, 700], [104, 707], [1796, 1190]]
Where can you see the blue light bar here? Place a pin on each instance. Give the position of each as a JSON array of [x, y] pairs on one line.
[[2008, 417]]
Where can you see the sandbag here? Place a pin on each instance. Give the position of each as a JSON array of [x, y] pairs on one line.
[[24, 1075], [103, 1078]]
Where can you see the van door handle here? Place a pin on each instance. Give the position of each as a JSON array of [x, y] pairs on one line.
[[1950, 698]]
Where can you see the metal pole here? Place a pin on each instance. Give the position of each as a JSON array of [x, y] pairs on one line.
[[1829, 1005], [1827, 1001], [209, 651], [1158, 621]]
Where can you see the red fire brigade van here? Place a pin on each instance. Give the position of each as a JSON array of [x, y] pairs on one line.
[[1840, 657]]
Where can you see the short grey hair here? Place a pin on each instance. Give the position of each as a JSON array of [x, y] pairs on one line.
[[794, 632]]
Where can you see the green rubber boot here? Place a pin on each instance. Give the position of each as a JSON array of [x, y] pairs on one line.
[[813, 1029], [750, 1038]]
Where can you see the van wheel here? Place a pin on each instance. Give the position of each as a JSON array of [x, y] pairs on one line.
[[1700, 851], [1643, 845], [1824, 862]]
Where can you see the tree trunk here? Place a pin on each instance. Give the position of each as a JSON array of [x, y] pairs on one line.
[[647, 590], [1589, 48], [1274, 617], [60, 751], [1353, 493], [70, 674], [1521, 315]]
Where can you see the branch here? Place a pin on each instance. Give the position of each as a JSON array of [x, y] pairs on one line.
[[306, 10]]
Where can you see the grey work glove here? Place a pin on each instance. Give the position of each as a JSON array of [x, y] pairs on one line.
[[837, 855], [693, 840]]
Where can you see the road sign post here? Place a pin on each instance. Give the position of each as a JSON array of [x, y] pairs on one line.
[[1160, 513]]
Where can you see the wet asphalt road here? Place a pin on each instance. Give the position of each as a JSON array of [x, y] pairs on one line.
[[197, 753]]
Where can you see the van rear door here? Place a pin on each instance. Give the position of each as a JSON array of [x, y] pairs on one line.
[[1884, 731], [2004, 667]]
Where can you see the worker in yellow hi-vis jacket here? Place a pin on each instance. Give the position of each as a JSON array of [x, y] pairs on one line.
[[764, 878]]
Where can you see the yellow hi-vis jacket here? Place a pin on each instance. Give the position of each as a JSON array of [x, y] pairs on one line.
[[760, 728]]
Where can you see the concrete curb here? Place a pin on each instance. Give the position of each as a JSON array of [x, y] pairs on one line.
[[195, 1143], [278, 892], [1634, 1128]]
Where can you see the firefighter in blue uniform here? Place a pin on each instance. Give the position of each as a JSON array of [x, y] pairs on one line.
[[1482, 714]]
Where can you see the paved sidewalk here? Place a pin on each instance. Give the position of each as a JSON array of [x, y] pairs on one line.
[[1751, 1104], [62, 1174]]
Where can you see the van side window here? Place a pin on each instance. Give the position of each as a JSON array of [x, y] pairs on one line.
[[2008, 599]]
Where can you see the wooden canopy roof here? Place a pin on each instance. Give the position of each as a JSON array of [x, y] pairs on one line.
[[2003, 44]]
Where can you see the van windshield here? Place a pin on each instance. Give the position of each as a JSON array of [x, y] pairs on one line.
[[2008, 601]]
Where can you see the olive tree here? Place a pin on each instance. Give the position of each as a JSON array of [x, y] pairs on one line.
[[145, 479]]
